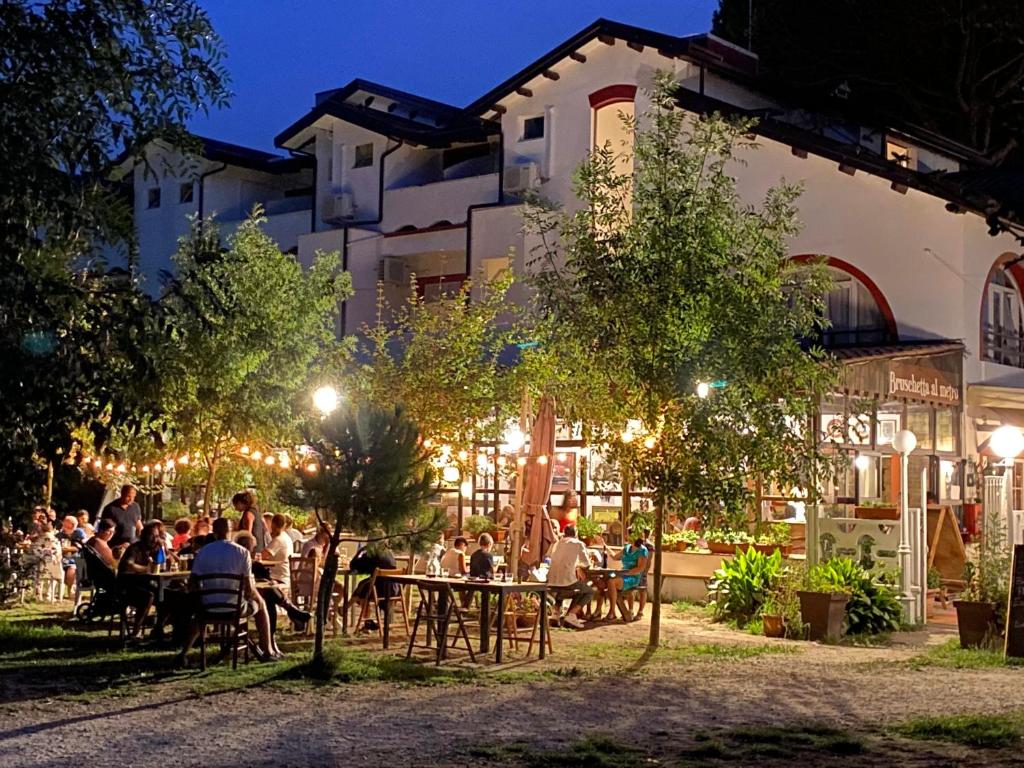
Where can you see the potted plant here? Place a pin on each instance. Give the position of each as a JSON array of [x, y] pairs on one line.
[[772, 619], [724, 542], [474, 525], [876, 510], [777, 536], [587, 528], [822, 604], [980, 609], [780, 613]]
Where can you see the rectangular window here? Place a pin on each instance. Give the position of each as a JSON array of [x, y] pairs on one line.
[[900, 154], [364, 156], [153, 197], [186, 192], [533, 128], [945, 430], [919, 421]]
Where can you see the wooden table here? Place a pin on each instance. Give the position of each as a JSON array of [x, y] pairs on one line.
[[161, 579], [500, 588]]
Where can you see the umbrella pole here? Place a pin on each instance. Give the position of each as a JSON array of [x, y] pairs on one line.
[[518, 518]]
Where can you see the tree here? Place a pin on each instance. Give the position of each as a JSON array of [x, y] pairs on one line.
[[374, 478], [248, 333], [81, 83], [954, 67], [668, 280]]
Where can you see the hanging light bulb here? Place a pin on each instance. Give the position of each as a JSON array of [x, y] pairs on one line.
[[257, 455], [428, 443], [145, 468], [183, 459], [463, 455], [562, 456], [97, 462], [311, 468], [270, 461], [284, 461], [703, 389], [521, 461], [121, 468], [514, 438], [542, 460], [450, 474], [466, 488], [627, 436], [649, 442], [245, 450], [109, 466]]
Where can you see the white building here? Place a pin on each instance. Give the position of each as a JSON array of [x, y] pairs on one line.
[[928, 269]]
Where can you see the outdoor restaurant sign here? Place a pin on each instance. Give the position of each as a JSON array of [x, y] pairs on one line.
[[915, 382]]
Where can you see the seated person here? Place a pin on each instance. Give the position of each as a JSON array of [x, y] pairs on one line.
[[454, 560], [507, 516], [367, 560], [273, 596], [481, 563], [567, 574], [223, 556], [182, 533], [83, 523], [634, 563], [198, 537], [318, 545], [277, 552], [137, 560], [99, 542]]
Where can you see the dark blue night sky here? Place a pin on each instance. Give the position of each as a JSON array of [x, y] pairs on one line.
[[280, 52]]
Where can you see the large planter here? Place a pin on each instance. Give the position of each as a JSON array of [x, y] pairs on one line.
[[823, 613], [721, 548], [976, 622], [876, 513], [680, 546], [774, 626], [769, 549], [499, 534]]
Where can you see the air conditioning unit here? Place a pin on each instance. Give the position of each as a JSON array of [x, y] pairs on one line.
[[339, 207], [519, 178], [393, 271]]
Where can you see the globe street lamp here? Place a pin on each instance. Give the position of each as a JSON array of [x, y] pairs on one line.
[[325, 400], [905, 442], [1007, 443]]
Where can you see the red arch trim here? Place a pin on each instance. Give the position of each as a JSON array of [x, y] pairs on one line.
[[1015, 270], [612, 94], [874, 290]]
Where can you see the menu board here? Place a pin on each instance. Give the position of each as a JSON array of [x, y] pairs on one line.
[[1015, 607]]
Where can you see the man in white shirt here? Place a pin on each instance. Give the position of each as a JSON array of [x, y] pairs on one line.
[[567, 575], [276, 555], [223, 556]]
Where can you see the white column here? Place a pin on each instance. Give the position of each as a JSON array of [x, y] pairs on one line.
[[337, 160], [549, 141]]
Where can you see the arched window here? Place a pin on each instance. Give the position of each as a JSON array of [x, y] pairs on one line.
[[1001, 325], [609, 105], [857, 310]]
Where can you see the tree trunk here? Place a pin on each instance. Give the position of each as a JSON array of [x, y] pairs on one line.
[[659, 518], [323, 602], [211, 474]]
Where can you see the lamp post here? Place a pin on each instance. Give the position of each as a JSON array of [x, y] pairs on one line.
[[1007, 443], [905, 442]]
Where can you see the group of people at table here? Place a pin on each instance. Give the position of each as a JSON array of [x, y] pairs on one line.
[[259, 550]]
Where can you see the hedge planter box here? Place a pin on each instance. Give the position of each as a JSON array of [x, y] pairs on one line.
[[774, 626], [975, 621], [876, 513], [823, 613]]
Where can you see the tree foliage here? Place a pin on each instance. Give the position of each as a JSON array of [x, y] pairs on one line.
[[79, 83], [951, 66], [249, 330], [667, 279], [374, 479]]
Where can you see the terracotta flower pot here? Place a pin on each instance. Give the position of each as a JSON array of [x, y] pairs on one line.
[[680, 546], [774, 626], [823, 613], [976, 622], [876, 513], [499, 535], [721, 548]]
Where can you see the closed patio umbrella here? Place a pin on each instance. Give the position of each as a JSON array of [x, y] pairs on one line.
[[537, 477]]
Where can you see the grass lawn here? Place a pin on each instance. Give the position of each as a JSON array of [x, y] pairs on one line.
[[1000, 731], [951, 656]]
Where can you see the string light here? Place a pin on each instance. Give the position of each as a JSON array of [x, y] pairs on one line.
[[542, 460], [145, 468], [311, 468], [428, 443], [245, 450], [463, 455], [270, 461], [466, 489], [284, 461], [257, 455], [121, 468], [521, 461], [183, 459], [450, 474], [649, 442], [562, 457], [109, 466]]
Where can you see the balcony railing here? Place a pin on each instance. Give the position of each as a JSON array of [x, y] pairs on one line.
[[1002, 345]]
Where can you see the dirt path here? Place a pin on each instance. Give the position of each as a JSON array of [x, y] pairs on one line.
[[661, 708]]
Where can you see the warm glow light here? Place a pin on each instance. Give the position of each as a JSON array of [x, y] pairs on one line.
[[521, 461], [121, 467], [1007, 442], [862, 462], [284, 461], [257, 455], [514, 438], [97, 463], [312, 468], [450, 474], [463, 455], [325, 399], [109, 465], [502, 461], [183, 459], [170, 466], [245, 450], [428, 443], [145, 468], [703, 389], [270, 461], [562, 457], [466, 489], [627, 436], [649, 442], [542, 460]]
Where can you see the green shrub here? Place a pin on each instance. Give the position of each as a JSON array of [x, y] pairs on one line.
[[873, 607], [586, 527], [474, 525], [739, 588]]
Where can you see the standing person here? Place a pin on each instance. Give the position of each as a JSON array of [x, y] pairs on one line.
[[251, 520], [226, 557], [127, 517], [70, 539], [567, 575]]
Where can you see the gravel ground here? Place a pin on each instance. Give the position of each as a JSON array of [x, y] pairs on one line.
[[661, 709]]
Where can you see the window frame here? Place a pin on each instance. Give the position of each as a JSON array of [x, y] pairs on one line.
[[362, 161], [153, 198], [533, 120], [191, 197]]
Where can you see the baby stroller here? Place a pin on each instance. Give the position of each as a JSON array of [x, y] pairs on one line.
[[106, 600]]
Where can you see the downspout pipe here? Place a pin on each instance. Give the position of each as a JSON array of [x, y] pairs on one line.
[[202, 188], [363, 222]]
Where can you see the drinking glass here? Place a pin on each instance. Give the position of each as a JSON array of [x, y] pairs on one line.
[[444, 573]]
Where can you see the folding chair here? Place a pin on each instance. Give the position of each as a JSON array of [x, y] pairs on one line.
[[372, 601], [220, 603], [437, 621], [304, 579]]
